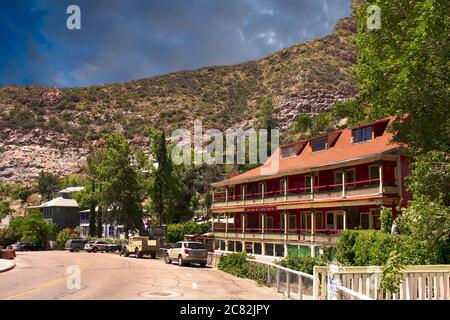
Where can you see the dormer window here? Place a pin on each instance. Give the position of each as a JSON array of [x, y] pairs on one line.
[[318, 145], [362, 134]]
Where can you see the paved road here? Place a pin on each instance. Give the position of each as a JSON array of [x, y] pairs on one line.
[[43, 275]]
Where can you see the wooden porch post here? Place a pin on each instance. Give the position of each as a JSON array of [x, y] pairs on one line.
[[263, 189], [243, 223], [311, 177], [226, 222], [343, 183], [226, 195], [345, 219], [380, 173]]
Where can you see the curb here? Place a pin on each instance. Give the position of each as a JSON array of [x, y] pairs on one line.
[[8, 268]]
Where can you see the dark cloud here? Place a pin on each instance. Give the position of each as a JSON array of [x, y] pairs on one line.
[[124, 40]]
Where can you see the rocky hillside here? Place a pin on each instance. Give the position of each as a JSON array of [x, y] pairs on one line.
[[52, 129]]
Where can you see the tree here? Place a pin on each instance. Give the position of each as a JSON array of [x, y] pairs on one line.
[[48, 184], [122, 189], [403, 70], [302, 124], [32, 228], [386, 220], [168, 194]]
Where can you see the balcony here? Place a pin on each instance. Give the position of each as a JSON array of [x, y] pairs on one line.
[[315, 193], [325, 236]]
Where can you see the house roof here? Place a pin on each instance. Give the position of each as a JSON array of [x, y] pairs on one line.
[[71, 189], [57, 202], [340, 149]]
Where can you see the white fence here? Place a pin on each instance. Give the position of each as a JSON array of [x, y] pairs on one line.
[[430, 282]]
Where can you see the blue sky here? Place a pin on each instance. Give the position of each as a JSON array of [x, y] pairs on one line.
[[124, 40]]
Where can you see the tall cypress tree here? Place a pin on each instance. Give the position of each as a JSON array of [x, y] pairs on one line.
[[92, 215]]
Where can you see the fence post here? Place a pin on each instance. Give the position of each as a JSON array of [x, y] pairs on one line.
[[288, 283], [278, 280], [300, 287]]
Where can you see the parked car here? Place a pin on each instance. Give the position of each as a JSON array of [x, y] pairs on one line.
[[24, 246], [96, 245], [113, 247], [187, 252], [140, 246], [75, 245]]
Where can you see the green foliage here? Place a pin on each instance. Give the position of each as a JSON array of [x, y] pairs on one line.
[[301, 263], [5, 209], [8, 236], [235, 263], [372, 248], [121, 175], [344, 249], [176, 232], [368, 248], [391, 277], [303, 123], [403, 69], [32, 228], [386, 219], [430, 176], [426, 221], [48, 184], [63, 236]]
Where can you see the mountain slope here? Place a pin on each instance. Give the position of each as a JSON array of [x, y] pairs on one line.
[[51, 129]]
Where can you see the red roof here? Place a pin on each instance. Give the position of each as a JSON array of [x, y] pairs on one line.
[[340, 149]]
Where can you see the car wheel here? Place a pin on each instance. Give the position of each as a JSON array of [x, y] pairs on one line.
[[153, 255], [180, 261], [71, 250], [77, 249], [167, 259], [95, 249], [136, 253], [202, 265]]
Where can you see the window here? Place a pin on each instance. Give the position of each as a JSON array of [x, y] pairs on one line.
[[318, 216], [269, 249], [194, 245], [269, 223], [306, 220], [257, 248], [340, 221], [362, 134], [330, 220], [292, 222], [318, 145], [374, 172], [376, 223], [338, 177], [365, 221]]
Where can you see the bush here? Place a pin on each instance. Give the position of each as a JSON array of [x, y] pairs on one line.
[[301, 263], [235, 263], [372, 248], [344, 248], [386, 220], [62, 238]]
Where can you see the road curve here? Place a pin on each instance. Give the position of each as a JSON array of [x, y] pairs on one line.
[[44, 275]]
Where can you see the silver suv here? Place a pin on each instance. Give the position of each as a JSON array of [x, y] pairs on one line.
[[187, 252], [96, 245]]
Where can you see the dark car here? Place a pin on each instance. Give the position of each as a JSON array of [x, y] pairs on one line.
[[75, 245], [24, 246]]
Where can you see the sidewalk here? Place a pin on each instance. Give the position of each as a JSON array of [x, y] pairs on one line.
[[6, 265]]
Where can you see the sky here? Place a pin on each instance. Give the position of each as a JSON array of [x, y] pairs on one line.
[[122, 40]]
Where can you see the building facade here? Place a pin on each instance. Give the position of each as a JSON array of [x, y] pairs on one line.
[[309, 191]]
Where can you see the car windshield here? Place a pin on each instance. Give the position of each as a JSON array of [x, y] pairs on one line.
[[194, 245]]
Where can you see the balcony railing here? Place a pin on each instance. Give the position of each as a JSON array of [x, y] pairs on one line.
[[279, 230], [294, 191]]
